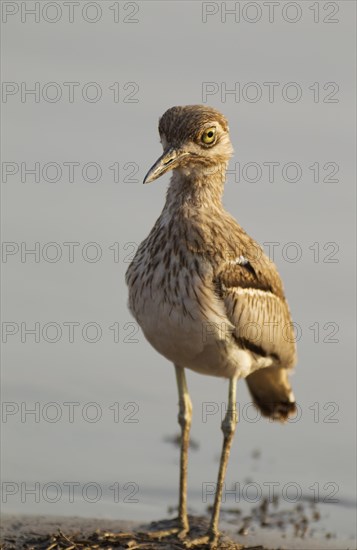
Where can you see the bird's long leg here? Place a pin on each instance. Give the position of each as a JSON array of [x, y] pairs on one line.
[[184, 418], [228, 427]]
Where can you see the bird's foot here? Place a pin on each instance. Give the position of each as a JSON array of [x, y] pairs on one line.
[[182, 533], [184, 528], [180, 530], [210, 541], [194, 543], [163, 533], [213, 541]]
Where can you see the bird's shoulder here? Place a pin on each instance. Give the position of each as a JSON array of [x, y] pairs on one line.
[[237, 259], [248, 268]]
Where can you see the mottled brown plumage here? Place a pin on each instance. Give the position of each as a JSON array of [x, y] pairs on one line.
[[180, 124], [204, 292]]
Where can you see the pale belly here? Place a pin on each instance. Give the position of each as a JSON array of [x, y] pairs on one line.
[[192, 334]]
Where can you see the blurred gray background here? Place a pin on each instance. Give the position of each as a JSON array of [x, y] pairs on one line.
[[145, 57]]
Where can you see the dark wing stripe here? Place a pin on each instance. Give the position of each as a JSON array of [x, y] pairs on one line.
[[248, 266], [246, 344], [256, 306], [263, 323]]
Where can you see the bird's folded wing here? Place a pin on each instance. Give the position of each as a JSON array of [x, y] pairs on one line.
[[255, 304]]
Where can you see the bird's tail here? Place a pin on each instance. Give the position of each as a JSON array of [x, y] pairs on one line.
[[272, 393]]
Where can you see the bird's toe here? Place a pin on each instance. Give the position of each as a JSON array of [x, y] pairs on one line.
[[199, 542]]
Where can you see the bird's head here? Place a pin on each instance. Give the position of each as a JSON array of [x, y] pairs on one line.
[[194, 137]]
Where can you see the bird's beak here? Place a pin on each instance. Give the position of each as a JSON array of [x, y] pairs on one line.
[[168, 160]]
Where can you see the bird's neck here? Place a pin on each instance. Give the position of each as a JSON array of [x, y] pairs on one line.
[[196, 189]]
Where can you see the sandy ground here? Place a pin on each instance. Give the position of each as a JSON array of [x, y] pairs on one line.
[[34, 532]]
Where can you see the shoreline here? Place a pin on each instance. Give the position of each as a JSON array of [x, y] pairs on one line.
[[18, 532]]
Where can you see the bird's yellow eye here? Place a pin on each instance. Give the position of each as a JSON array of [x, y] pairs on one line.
[[209, 136]]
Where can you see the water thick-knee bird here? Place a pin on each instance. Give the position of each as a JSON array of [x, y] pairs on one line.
[[203, 291]]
